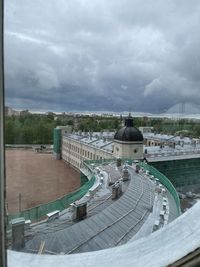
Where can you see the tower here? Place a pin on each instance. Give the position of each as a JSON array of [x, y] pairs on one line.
[[128, 141]]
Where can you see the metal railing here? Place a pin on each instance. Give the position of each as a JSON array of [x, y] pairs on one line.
[[173, 153], [165, 181]]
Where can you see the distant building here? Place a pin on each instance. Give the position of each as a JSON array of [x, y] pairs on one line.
[[24, 112], [10, 112], [146, 129], [127, 142]]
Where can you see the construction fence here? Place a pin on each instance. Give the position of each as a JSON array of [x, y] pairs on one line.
[[40, 212], [182, 172]]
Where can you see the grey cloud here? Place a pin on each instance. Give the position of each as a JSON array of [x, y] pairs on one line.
[[115, 55]]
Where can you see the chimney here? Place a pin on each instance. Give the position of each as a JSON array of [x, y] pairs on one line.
[[116, 190], [119, 162], [125, 174], [80, 211], [18, 233]]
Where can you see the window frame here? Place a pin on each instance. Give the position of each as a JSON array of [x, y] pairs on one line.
[[3, 254]]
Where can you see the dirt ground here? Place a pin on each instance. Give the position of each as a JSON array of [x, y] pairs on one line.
[[37, 177]]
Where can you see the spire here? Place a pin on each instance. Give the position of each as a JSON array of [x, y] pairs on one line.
[[129, 121]]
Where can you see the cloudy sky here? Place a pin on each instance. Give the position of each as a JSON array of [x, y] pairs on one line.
[[116, 55]]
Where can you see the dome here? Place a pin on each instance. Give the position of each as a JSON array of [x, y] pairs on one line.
[[129, 133]]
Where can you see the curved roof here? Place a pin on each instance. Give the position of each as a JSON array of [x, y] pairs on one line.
[[129, 132], [146, 251], [108, 228]]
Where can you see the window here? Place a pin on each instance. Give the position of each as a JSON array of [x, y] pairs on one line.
[[97, 55]]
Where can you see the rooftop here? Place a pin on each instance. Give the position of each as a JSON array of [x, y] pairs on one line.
[[109, 222], [179, 239], [183, 146]]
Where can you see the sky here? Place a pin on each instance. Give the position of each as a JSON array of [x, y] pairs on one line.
[[113, 55]]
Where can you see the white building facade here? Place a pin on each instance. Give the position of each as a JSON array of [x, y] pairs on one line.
[[76, 149], [127, 142]]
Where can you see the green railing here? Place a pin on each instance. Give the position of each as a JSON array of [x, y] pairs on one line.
[[165, 181], [39, 212]]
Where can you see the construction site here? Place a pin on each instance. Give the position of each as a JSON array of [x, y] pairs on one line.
[[34, 178], [121, 195]]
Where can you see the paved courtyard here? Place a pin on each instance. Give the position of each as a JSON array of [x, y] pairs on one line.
[[36, 178]]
